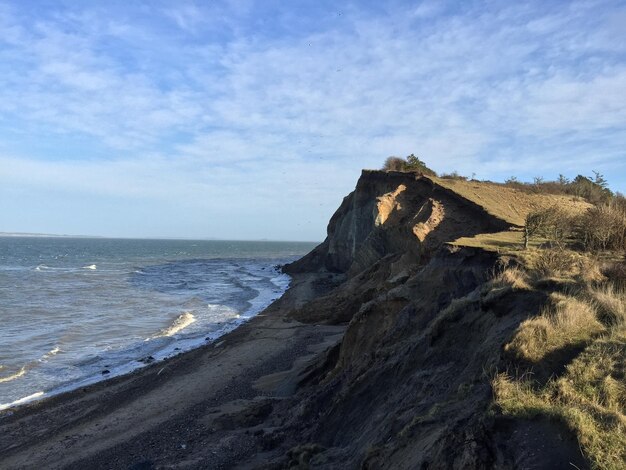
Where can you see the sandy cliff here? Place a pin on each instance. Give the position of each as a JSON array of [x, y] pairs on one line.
[[409, 384], [380, 355]]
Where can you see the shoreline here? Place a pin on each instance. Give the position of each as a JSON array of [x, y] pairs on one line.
[[102, 425], [173, 348]]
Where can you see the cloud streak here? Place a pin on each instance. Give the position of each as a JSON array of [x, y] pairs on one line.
[[194, 103]]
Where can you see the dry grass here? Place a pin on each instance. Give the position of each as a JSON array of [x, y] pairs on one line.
[[558, 263], [509, 204], [514, 277], [506, 281], [615, 271], [590, 396], [499, 242], [610, 302], [567, 322]]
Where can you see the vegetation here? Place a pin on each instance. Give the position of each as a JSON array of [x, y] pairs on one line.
[[408, 164], [552, 223], [600, 228], [568, 361], [454, 176], [580, 339]]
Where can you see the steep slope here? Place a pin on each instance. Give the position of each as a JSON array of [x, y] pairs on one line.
[[395, 212], [409, 384], [385, 352]]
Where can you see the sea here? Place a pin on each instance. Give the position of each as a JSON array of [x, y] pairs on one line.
[[74, 311]]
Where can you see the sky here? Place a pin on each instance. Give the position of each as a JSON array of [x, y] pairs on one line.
[[253, 119]]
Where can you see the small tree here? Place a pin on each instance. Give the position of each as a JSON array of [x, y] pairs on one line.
[[563, 181], [410, 163], [594, 192], [413, 163], [552, 223]]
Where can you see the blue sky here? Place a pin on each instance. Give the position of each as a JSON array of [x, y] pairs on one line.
[[249, 120]]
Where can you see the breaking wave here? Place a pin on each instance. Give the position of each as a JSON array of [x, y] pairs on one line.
[[181, 322], [12, 377]]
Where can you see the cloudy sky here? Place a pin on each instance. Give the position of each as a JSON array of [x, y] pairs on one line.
[[252, 119]]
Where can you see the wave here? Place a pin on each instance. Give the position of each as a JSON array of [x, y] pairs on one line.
[[181, 322], [53, 352], [24, 369], [21, 401], [91, 266], [17, 375]]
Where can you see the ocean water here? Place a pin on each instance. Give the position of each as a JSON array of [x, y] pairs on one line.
[[73, 308]]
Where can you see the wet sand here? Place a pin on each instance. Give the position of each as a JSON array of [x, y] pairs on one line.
[[172, 414]]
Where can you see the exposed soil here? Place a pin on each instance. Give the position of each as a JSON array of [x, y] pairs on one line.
[[379, 356]]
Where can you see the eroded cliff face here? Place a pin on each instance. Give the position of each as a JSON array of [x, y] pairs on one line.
[[408, 386], [394, 212]]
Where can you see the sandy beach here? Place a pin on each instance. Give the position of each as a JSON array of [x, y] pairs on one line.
[[184, 412]]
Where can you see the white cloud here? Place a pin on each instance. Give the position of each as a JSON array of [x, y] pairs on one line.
[[193, 101]]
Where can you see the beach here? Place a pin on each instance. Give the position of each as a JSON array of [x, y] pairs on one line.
[[173, 413]]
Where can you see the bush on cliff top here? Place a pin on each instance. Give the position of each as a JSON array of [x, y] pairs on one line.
[[408, 164]]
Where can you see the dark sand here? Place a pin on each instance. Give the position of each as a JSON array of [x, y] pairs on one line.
[[172, 414]]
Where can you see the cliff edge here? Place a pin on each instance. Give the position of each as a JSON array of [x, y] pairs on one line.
[[403, 343]]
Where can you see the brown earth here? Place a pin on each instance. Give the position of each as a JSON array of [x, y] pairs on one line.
[[379, 356]]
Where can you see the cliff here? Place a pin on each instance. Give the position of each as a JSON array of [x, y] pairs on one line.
[[388, 351], [395, 212], [409, 384]]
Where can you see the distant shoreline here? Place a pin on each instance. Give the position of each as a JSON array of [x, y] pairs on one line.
[[43, 235], [51, 235]]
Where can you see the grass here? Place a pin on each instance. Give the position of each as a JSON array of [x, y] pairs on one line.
[[509, 204], [562, 264], [514, 277], [610, 302], [589, 397], [566, 322], [498, 242], [506, 281]]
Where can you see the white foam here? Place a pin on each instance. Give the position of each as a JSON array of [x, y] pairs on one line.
[[180, 323], [12, 377], [21, 401], [53, 352], [223, 318]]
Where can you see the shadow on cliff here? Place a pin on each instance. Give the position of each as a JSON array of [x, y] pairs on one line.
[[409, 384]]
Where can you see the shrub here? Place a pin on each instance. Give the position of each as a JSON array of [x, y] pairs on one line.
[[413, 163], [595, 192], [408, 164], [394, 164], [604, 227], [552, 223], [453, 176]]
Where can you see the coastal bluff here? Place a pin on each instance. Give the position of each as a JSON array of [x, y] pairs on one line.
[[381, 354]]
